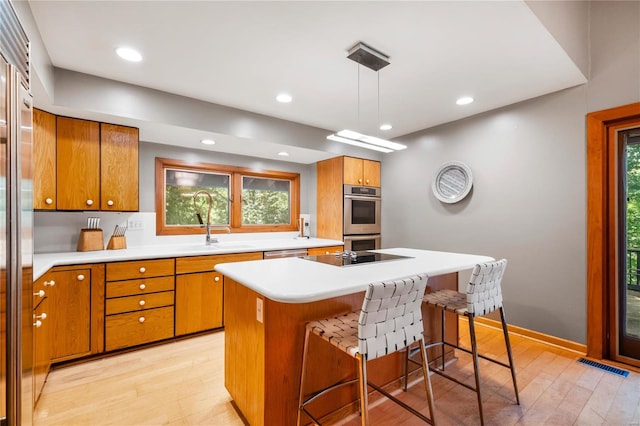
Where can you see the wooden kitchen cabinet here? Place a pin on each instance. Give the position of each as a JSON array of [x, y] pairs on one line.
[[199, 291], [315, 251], [118, 168], [41, 346], [139, 302], [78, 164], [44, 160], [76, 305], [358, 171]]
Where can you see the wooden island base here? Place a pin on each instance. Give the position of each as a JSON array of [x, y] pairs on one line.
[[263, 352]]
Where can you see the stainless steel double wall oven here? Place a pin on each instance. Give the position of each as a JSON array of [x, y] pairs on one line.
[[362, 217]]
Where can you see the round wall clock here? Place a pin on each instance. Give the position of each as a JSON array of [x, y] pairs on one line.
[[452, 182]]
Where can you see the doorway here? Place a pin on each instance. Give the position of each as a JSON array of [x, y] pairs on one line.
[[611, 315], [627, 300]]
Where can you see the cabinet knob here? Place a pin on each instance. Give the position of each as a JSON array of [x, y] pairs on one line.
[[48, 201], [143, 269], [142, 286], [110, 202], [40, 293], [359, 180], [367, 180], [42, 316], [142, 303], [141, 320], [89, 202], [216, 279], [37, 324], [49, 283], [80, 277]]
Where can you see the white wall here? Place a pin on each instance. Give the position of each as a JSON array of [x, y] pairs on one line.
[[529, 197]]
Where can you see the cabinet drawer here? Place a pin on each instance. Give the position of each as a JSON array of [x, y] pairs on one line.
[[323, 250], [136, 328], [139, 269], [136, 287], [186, 265], [139, 302]]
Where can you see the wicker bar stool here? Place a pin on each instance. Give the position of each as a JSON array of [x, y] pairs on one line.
[[390, 320], [483, 296]]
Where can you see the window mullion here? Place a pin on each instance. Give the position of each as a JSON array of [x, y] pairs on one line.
[[236, 201]]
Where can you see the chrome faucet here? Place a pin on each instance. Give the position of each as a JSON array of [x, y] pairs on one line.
[[208, 239]]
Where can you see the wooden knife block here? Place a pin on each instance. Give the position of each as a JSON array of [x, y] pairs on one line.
[[117, 243], [90, 240]]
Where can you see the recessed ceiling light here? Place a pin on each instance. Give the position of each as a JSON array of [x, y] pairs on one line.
[[283, 153], [386, 127], [129, 54], [465, 100], [208, 141], [284, 98]]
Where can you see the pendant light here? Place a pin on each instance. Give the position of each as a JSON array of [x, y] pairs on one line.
[[375, 60]]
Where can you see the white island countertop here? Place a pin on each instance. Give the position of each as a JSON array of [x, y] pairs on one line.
[[45, 261], [297, 280]]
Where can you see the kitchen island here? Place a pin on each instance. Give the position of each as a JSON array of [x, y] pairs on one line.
[[267, 304]]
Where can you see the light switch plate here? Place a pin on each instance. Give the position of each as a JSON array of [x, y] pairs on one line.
[[259, 312]]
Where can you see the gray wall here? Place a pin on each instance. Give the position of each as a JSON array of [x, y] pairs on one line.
[[529, 196]]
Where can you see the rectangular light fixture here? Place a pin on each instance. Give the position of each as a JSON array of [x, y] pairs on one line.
[[364, 141]]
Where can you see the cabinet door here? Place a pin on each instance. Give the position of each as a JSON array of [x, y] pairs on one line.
[[44, 160], [198, 302], [315, 251], [78, 164], [371, 172], [352, 170], [70, 306], [118, 168], [41, 347]]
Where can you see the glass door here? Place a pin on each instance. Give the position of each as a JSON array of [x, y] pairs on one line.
[[628, 291]]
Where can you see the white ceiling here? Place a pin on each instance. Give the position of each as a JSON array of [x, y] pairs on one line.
[[242, 54]]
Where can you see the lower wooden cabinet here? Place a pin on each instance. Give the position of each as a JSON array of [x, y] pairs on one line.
[[139, 302], [198, 302], [41, 346], [136, 328], [76, 298], [315, 251]]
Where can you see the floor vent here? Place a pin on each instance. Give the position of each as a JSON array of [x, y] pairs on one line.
[[604, 367]]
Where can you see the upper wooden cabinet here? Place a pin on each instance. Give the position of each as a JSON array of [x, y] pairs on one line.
[[78, 164], [84, 165], [44, 160], [358, 171], [118, 168]]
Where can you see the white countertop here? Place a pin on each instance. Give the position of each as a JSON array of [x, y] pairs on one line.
[[45, 261], [296, 280]]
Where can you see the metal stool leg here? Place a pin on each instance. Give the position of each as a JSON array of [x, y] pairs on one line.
[[509, 353], [427, 381], [302, 374], [476, 370], [362, 372], [442, 330]]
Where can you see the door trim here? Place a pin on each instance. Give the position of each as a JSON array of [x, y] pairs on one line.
[[601, 251]]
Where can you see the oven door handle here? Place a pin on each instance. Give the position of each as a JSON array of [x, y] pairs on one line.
[[362, 197]]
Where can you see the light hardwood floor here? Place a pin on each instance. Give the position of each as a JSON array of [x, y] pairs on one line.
[[182, 383]]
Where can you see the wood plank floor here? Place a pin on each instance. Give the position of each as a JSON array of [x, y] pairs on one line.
[[182, 383]]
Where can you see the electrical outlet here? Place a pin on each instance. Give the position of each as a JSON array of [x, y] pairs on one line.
[[259, 313], [135, 225]]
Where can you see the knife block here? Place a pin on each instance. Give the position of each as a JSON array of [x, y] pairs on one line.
[[117, 242], [90, 240]]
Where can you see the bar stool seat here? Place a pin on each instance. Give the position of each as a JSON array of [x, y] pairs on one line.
[[390, 320]]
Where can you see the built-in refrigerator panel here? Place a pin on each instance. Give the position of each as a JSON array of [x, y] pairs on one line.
[[4, 131]]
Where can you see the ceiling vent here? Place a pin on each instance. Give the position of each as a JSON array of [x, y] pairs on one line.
[[368, 56]]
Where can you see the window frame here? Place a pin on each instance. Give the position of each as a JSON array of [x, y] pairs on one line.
[[235, 218]]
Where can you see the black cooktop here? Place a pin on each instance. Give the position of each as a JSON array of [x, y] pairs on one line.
[[354, 258]]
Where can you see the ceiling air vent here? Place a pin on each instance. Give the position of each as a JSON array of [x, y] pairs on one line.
[[368, 56]]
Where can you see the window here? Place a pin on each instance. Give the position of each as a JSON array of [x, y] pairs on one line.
[[190, 195]]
